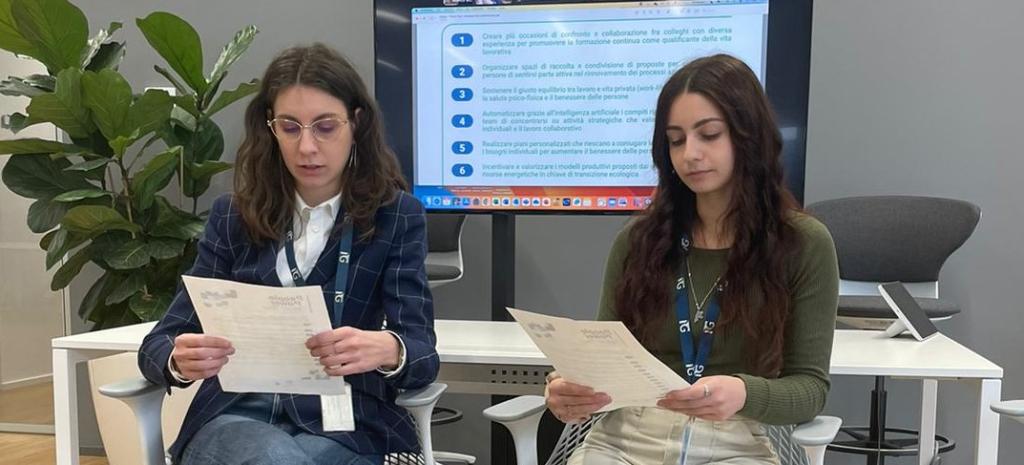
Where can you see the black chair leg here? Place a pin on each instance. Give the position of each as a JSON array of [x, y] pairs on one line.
[[876, 432], [876, 441]]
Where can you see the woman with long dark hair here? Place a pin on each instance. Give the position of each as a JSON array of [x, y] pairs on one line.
[[318, 200], [723, 278]]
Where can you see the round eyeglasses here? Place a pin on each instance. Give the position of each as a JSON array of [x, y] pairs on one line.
[[324, 130]]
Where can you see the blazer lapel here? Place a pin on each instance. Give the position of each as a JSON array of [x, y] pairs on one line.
[[267, 261]]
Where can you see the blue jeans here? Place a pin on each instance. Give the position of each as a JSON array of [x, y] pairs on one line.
[[238, 440]]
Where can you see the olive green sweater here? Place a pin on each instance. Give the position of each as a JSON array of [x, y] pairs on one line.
[[798, 394]]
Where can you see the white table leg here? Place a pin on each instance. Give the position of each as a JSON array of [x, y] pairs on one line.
[[988, 422], [929, 397], [65, 405]]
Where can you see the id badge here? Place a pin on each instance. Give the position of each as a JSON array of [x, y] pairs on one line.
[[336, 411]]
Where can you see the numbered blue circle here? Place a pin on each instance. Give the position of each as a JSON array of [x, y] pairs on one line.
[[462, 94], [462, 121], [462, 71], [462, 40], [462, 147], [462, 170]]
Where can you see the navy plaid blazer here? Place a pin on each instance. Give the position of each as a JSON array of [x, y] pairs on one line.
[[388, 279]]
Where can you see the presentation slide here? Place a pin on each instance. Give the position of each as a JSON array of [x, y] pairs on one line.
[[552, 106]]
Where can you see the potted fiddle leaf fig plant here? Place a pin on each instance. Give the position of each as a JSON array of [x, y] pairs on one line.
[[120, 190]]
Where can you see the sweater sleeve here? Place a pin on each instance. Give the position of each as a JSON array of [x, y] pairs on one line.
[[799, 393]]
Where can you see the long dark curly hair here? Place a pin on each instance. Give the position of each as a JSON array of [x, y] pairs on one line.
[[756, 297], [265, 190]]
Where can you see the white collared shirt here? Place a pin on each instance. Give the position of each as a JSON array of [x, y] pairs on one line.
[[311, 228]]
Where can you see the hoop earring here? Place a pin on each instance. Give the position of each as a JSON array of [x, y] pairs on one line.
[[353, 159]]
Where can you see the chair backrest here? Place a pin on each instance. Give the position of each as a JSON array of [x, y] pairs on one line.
[[895, 238], [443, 232]]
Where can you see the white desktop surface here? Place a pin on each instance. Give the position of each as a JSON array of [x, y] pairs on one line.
[[855, 352]]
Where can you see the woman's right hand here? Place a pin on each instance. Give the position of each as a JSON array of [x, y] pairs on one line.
[[200, 356], [572, 403]]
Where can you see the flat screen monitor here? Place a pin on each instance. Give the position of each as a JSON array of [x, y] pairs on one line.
[[548, 107]]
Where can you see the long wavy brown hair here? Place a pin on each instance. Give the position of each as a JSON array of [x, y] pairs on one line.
[[265, 190], [756, 297]]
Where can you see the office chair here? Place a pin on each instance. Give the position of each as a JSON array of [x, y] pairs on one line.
[[444, 248], [146, 401], [1011, 409], [444, 266], [891, 238], [796, 445]]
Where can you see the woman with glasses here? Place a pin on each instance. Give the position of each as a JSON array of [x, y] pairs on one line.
[[318, 200], [723, 278]]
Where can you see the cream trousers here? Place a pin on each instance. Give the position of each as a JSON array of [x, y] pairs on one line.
[[653, 436]]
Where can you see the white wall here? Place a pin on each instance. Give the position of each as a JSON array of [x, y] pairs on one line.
[[30, 314], [924, 97]]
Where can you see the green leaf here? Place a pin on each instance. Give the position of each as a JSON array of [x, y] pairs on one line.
[[41, 177], [89, 165], [97, 41], [172, 222], [178, 43], [79, 194], [120, 144], [186, 103], [57, 30], [181, 116], [155, 176], [64, 106], [93, 220], [47, 239], [109, 97], [232, 52], [151, 307], [201, 174], [28, 86], [44, 215], [149, 112], [207, 144], [105, 243], [183, 90], [16, 123], [10, 38], [163, 249], [96, 144], [35, 146], [231, 96], [94, 297], [131, 284], [17, 87], [207, 169], [62, 242], [109, 56], [129, 256], [113, 316], [70, 269]]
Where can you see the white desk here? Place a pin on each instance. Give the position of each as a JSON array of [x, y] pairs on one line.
[[498, 358]]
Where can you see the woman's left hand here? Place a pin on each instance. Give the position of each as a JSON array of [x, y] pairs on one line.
[[348, 351], [712, 398]]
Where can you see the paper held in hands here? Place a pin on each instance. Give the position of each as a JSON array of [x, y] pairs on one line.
[[603, 355], [268, 327]]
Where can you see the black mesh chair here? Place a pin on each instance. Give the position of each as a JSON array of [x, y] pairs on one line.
[[891, 238], [444, 248]]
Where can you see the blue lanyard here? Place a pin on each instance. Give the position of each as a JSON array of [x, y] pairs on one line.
[[340, 275], [694, 364]]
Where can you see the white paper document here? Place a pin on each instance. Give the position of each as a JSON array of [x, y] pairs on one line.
[[268, 327], [603, 355]]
